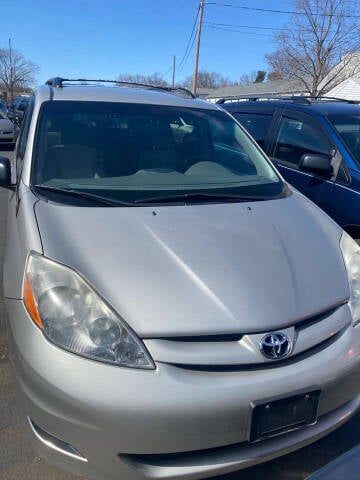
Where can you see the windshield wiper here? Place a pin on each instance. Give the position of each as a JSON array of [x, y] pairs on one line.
[[198, 196], [88, 196]]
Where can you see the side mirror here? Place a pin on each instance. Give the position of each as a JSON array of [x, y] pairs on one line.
[[316, 163], [5, 174]]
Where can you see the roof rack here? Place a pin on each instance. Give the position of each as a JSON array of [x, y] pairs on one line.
[[255, 98], [335, 99], [58, 82], [298, 99]]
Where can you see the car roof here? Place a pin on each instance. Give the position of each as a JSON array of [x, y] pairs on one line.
[[121, 94], [322, 107]]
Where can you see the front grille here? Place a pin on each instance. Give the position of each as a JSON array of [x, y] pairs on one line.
[[266, 365], [227, 337], [240, 351]]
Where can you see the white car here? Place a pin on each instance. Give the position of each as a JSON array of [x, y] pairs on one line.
[[8, 131]]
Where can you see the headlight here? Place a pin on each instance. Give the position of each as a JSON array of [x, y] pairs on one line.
[[73, 316], [351, 253]]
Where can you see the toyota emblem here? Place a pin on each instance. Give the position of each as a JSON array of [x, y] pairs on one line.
[[275, 345]]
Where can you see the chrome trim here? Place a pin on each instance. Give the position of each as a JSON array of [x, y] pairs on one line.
[[275, 345]]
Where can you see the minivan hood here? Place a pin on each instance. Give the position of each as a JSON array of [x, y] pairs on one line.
[[203, 269]]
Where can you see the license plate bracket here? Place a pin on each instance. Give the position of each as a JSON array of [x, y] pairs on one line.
[[283, 415]]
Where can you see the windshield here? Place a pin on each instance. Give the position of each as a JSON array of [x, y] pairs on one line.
[[130, 152], [348, 127]]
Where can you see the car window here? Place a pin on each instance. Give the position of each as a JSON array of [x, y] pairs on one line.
[[256, 124], [23, 136], [297, 136], [130, 151], [348, 127], [22, 106]]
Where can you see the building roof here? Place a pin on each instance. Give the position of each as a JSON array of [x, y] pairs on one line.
[[348, 67], [348, 89], [275, 87]]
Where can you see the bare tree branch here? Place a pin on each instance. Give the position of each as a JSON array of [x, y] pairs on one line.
[[323, 37], [207, 79], [15, 70], [153, 79]]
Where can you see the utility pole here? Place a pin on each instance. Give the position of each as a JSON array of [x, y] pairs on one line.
[[198, 36], [11, 73], [173, 76]]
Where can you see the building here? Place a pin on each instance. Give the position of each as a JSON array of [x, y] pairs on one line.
[[273, 88]]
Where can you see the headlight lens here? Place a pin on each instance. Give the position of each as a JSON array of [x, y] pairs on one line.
[[73, 316], [351, 253]]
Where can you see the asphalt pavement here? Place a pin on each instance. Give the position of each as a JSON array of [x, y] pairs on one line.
[[19, 462]]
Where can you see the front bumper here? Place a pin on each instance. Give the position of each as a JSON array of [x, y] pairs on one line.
[[128, 423]]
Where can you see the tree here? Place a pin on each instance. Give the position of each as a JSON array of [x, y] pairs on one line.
[[248, 78], [274, 76], [256, 76], [207, 79], [319, 45], [260, 76], [153, 79], [16, 72]]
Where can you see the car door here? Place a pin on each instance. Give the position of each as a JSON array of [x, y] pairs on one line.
[[296, 134]]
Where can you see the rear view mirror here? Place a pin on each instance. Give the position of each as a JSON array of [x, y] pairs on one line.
[[316, 163], [5, 174]]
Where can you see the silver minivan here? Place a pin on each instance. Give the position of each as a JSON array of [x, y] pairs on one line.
[[175, 309]]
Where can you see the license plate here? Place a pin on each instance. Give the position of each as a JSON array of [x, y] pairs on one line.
[[280, 416]]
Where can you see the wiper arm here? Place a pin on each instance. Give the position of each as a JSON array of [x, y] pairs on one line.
[[88, 196], [198, 196]]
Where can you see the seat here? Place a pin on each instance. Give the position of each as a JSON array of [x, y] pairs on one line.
[[70, 161], [160, 150], [192, 144], [73, 158]]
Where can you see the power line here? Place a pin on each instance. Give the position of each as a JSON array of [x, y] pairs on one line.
[[239, 31], [288, 12], [225, 26], [188, 46], [187, 52], [213, 24], [167, 71], [187, 56]]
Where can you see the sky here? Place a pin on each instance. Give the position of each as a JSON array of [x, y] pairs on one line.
[[102, 39]]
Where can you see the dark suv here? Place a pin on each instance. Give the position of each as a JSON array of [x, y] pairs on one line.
[[315, 144]]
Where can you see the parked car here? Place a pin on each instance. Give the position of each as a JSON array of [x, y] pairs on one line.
[[3, 106], [175, 309], [8, 131], [315, 144], [17, 109]]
